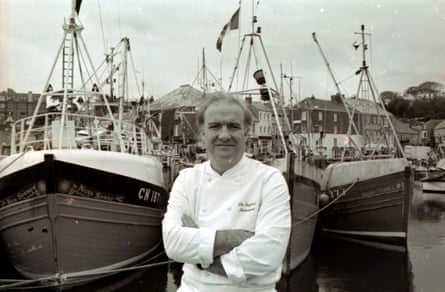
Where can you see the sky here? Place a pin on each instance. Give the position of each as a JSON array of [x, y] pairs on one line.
[[406, 41]]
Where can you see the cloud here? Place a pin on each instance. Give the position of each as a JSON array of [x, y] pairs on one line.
[[168, 37]]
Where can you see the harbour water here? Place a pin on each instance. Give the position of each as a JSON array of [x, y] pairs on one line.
[[333, 265]]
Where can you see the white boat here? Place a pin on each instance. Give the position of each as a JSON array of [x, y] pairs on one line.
[[434, 182], [434, 186], [303, 179], [81, 195], [365, 193]]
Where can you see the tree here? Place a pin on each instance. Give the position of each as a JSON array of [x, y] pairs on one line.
[[399, 107], [431, 86], [426, 88], [388, 96]]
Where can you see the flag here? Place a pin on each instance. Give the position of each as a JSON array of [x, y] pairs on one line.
[[234, 21], [77, 5], [232, 24]]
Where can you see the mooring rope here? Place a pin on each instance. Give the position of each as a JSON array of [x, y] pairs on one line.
[[12, 162], [327, 205], [61, 277]]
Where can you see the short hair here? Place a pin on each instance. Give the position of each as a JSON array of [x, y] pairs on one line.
[[223, 97]]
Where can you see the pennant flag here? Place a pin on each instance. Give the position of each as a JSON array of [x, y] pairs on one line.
[[232, 24], [77, 5], [234, 21]]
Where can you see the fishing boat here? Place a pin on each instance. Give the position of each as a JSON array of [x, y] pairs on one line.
[[434, 182], [367, 196], [303, 179], [81, 195]]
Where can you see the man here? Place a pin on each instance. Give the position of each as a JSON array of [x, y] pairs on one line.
[[228, 219]]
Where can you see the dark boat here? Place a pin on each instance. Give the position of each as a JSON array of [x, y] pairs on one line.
[[81, 195], [367, 196]]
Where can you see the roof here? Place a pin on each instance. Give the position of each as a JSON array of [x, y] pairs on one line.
[[440, 125], [404, 128], [321, 104], [365, 106], [183, 96]]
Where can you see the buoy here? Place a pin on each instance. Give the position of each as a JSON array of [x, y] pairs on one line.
[[324, 198]]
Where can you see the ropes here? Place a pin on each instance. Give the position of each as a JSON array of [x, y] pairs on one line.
[[327, 205], [12, 162], [61, 278]]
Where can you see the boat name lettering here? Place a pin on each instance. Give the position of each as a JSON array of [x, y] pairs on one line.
[[334, 193], [83, 191], [27, 193], [149, 195]]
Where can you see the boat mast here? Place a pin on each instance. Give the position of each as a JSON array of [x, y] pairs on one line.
[[71, 46], [123, 73], [204, 73], [252, 54], [339, 93], [366, 86]]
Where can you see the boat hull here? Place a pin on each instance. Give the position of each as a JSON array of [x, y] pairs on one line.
[[434, 183], [304, 188], [66, 213], [368, 201], [435, 186]]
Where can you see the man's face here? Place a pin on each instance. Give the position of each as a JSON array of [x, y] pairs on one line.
[[224, 134]]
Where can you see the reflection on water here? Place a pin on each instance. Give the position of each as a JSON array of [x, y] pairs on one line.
[[345, 266], [333, 265], [337, 265], [429, 208], [301, 279]]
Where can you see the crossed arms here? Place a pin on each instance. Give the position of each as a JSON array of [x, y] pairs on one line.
[[225, 241]]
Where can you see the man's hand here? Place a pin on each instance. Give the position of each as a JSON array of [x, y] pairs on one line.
[[217, 268], [225, 241]]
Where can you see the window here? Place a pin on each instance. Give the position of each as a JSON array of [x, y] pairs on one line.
[[320, 116], [334, 118], [303, 116]]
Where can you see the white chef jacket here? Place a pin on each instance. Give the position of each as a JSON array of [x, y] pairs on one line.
[[250, 196]]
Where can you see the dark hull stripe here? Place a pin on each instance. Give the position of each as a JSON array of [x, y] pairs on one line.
[[77, 180]]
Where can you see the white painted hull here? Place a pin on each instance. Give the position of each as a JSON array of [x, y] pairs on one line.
[[433, 186]]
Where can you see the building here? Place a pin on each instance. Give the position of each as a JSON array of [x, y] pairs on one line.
[[175, 114], [323, 124], [372, 121], [15, 106], [439, 133], [407, 135]]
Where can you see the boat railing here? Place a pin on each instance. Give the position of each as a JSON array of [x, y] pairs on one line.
[[78, 131]]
